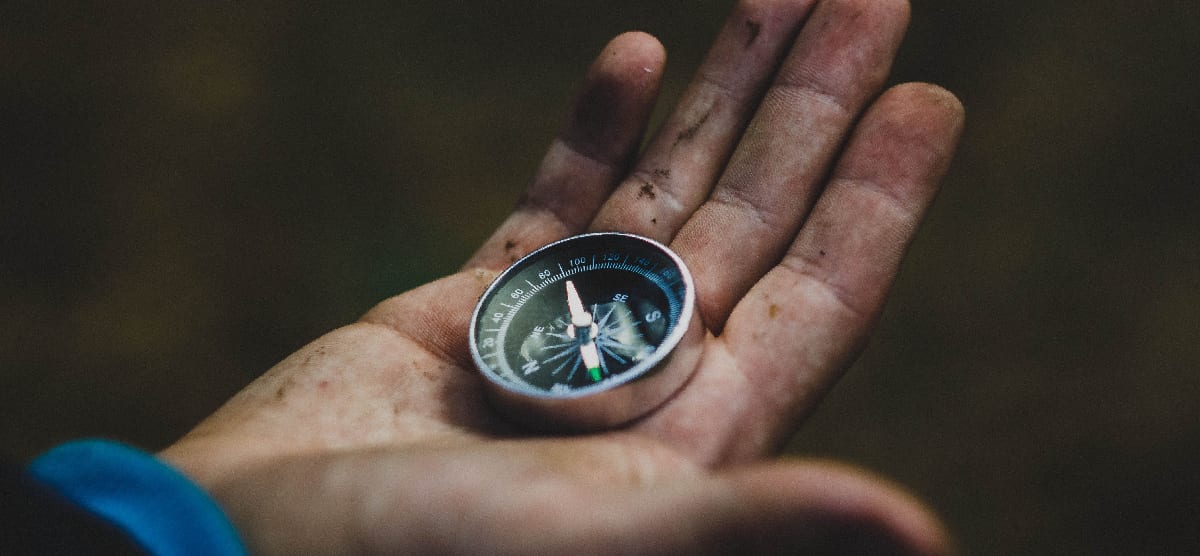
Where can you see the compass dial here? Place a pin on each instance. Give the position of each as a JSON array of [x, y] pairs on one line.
[[582, 316]]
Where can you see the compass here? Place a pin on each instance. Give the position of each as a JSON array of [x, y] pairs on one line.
[[588, 332]]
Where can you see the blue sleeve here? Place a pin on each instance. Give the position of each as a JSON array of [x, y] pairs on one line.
[[156, 505]]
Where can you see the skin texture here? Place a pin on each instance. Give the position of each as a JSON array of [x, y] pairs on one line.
[[789, 181]]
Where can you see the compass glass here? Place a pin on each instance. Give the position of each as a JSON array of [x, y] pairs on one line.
[[582, 315]]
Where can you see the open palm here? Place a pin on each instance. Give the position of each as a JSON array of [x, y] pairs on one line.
[[789, 184]]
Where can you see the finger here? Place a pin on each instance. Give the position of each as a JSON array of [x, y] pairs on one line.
[[324, 503], [792, 336], [830, 288], [812, 508], [839, 61], [827, 508], [585, 161], [680, 164]]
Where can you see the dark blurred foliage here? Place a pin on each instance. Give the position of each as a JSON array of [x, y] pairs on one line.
[[188, 192]]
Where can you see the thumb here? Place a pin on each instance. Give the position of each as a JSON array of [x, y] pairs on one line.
[[788, 508]]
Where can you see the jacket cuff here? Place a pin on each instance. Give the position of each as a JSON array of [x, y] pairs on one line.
[[159, 507]]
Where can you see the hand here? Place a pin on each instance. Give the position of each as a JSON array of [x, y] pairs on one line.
[[791, 187]]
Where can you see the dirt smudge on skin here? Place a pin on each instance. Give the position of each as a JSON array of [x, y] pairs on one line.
[[646, 191], [822, 252], [773, 310], [282, 391], [483, 276], [320, 350], [690, 132], [510, 247], [654, 221], [754, 29]]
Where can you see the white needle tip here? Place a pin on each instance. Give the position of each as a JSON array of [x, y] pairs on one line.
[[580, 318]]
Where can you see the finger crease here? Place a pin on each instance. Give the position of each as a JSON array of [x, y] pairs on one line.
[[737, 199], [873, 187], [811, 90], [810, 269], [579, 149], [535, 208], [727, 89]]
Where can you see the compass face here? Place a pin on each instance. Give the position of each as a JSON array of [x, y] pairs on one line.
[[582, 315]]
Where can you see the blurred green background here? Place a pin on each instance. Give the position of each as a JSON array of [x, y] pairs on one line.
[[190, 191]]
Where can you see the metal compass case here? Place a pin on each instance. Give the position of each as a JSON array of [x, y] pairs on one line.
[[588, 332]]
